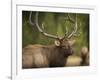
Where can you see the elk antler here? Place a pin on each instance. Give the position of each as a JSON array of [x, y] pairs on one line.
[[49, 35], [75, 28], [38, 27]]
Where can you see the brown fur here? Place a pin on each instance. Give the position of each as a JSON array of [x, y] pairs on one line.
[[85, 56]]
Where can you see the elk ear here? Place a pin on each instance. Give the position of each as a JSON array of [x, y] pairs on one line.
[[57, 43], [71, 42]]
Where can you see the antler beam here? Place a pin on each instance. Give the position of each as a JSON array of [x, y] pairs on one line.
[[39, 28]]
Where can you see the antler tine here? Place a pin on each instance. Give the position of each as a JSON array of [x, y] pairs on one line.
[[75, 28], [64, 36], [36, 17], [40, 30], [70, 19]]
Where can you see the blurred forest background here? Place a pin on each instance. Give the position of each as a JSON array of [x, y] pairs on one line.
[[56, 24]]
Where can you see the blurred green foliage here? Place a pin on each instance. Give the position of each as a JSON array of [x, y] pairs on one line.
[[56, 24]]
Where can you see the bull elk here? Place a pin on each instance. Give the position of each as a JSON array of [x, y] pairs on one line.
[[55, 55]]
